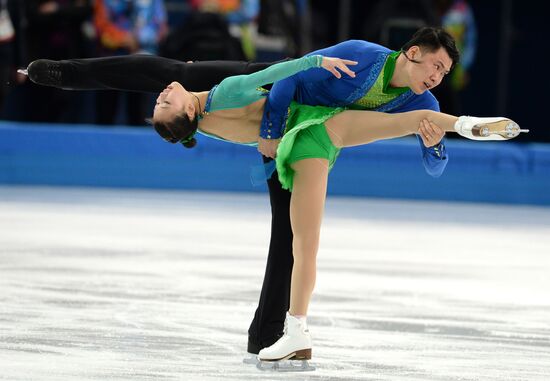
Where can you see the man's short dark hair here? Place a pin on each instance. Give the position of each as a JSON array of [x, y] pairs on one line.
[[431, 39]]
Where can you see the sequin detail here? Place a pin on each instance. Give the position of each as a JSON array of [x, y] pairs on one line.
[[209, 100], [370, 95], [360, 92], [376, 97]]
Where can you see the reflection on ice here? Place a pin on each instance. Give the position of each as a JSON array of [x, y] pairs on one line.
[[116, 284]]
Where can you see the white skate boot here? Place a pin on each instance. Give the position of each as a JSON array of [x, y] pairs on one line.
[[295, 344], [487, 128]]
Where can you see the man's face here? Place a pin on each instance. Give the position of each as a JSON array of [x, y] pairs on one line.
[[426, 70]]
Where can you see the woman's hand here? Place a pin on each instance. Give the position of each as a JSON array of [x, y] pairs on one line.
[[268, 147], [333, 64]]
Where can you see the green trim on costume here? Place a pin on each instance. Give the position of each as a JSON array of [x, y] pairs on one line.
[[381, 92], [389, 68]]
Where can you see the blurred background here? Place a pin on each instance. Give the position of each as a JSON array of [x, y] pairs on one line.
[[502, 72], [502, 43]]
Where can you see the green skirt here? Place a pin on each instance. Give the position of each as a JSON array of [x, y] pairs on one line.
[[305, 137]]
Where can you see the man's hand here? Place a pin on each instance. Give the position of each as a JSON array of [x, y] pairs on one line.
[[332, 63], [430, 133], [268, 147]]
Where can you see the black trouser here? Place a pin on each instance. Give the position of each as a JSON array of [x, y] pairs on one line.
[[267, 325], [146, 73]]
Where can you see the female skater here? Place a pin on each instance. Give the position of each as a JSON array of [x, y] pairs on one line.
[[313, 138]]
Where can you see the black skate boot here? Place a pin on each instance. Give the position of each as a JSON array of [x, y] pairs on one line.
[[48, 73]]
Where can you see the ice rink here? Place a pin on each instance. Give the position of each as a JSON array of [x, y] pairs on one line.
[[101, 284]]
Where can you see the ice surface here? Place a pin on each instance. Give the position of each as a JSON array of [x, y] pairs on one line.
[[100, 284]]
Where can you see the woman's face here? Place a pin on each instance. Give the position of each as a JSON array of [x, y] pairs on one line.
[[172, 101]]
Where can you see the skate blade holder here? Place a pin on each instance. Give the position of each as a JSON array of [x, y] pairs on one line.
[[285, 366], [281, 365], [505, 128]]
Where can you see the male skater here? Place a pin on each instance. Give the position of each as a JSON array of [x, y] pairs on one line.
[[385, 81]]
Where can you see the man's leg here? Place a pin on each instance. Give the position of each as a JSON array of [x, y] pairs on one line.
[[152, 74], [267, 325], [139, 72]]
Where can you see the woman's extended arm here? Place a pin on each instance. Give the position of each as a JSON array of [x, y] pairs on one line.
[[239, 91]]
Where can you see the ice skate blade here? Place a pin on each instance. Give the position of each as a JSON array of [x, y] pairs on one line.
[[251, 359], [285, 366], [279, 366], [505, 128]]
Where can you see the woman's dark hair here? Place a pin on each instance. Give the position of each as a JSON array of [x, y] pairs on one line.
[[178, 130], [432, 39]]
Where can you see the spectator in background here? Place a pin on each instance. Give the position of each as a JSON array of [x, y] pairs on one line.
[[127, 27], [55, 28], [283, 18], [392, 22], [204, 34], [10, 48], [240, 15], [52, 29], [457, 18]]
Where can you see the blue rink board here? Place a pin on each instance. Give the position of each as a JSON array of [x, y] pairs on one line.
[[501, 172]]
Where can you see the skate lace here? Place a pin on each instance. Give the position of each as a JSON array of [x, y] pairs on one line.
[[285, 329], [54, 72], [46, 73]]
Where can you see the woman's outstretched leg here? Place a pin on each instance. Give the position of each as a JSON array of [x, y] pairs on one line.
[[354, 127], [306, 212]]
